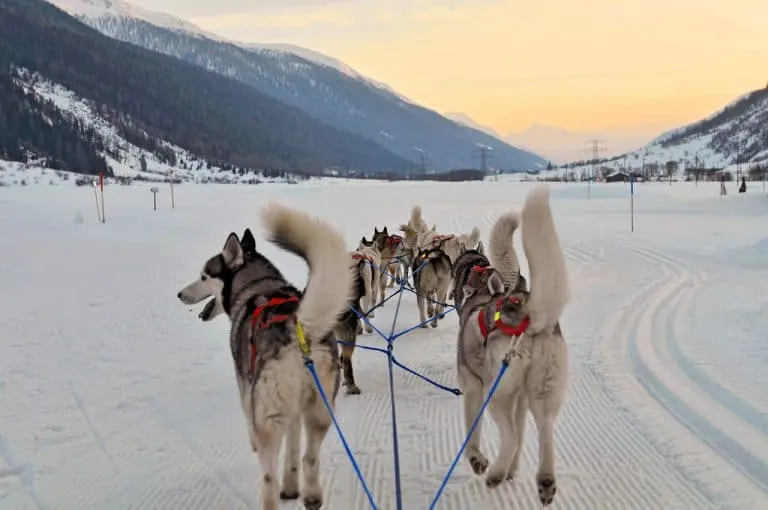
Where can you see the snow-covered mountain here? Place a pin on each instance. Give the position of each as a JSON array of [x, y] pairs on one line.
[[736, 133], [321, 86]]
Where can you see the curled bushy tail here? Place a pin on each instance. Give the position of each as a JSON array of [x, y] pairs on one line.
[[417, 221], [331, 279], [549, 276], [502, 249]]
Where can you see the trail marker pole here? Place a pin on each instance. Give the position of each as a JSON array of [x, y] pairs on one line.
[[101, 185], [632, 202], [173, 204], [96, 196], [154, 197]]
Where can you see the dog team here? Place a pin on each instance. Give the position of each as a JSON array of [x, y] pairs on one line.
[[503, 318]]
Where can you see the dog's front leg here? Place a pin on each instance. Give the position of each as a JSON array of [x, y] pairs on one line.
[[501, 408], [290, 485]]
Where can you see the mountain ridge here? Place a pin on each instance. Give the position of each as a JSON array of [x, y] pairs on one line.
[[329, 91], [154, 99]]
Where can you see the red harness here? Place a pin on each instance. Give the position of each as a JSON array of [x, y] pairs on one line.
[[258, 321], [394, 240], [478, 276], [507, 329], [363, 256]]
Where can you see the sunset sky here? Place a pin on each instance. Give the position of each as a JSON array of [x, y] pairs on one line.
[[576, 64]]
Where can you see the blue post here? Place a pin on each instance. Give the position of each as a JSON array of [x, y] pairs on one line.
[[632, 202]]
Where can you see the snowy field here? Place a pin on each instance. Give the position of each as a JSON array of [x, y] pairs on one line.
[[113, 395]]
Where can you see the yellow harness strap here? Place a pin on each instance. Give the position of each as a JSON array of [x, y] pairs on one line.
[[302, 340]]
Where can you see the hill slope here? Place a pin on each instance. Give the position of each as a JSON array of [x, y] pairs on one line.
[[153, 96], [736, 133], [321, 86]]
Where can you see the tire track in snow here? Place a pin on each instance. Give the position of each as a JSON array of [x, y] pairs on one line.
[[698, 415]]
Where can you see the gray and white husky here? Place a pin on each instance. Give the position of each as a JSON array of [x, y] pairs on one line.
[[267, 315], [431, 280], [523, 327]]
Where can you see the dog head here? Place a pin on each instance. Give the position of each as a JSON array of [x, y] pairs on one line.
[[365, 243], [217, 273]]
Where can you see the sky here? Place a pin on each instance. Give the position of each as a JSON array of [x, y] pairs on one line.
[[582, 65]]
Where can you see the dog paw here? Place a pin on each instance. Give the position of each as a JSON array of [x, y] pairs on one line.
[[313, 503], [494, 479], [371, 315], [289, 494], [434, 323], [368, 329], [425, 326], [478, 462], [352, 389], [547, 489]]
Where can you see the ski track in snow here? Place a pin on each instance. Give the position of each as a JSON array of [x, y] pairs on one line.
[[114, 395]]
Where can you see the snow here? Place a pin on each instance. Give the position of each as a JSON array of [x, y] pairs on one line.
[[114, 395]]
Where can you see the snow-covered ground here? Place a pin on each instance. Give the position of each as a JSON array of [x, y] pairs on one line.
[[113, 395]]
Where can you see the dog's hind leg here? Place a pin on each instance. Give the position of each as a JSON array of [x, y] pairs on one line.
[[367, 301], [472, 388], [544, 414], [317, 421], [421, 305], [268, 441], [346, 367], [502, 409], [290, 486], [519, 415], [383, 282]]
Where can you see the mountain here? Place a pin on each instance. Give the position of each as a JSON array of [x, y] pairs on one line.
[[323, 87], [466, 120], [154, 99], [736, 133]]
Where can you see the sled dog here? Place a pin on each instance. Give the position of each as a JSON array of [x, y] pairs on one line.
[[367, 251], [272, 325], [522, 328], [431, 280], [349, 327], [392, 250]]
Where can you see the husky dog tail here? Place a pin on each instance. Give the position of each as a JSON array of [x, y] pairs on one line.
[[331, 279], [549, 277], [417, 222], [502, 254]]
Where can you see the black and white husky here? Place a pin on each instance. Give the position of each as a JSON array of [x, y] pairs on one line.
[[523, 327], [349, 327], [268, 316]]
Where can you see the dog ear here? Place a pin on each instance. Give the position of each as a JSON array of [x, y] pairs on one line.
[[232, 251], [384, 232], [462, 249], [364, 240], [480, 248], [248, 242], [375, 231], [495, 283]]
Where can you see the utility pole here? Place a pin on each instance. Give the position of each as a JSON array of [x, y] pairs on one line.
[[596, 151], [485, 154]]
